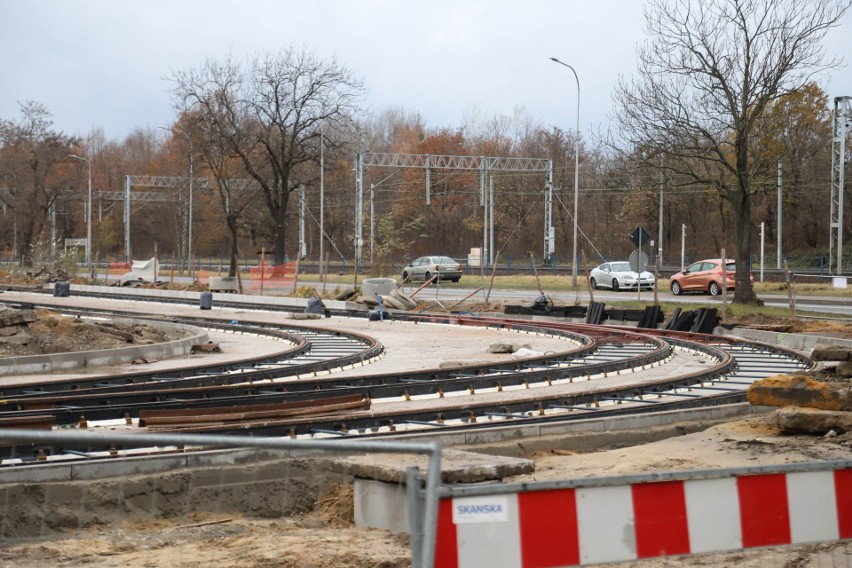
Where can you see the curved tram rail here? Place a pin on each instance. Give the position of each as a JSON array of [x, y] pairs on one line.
[[285, 397]]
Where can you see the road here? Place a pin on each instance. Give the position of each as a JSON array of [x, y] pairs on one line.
[[840, 306]]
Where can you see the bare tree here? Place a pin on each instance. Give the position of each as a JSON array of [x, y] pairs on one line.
[[269, 111], [31, 156], [706, 77]]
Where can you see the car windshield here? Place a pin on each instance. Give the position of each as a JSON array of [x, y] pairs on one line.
[[446, 260], [731, 267], [621, 267]]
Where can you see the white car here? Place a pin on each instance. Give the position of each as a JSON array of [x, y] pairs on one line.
[[619, 276]]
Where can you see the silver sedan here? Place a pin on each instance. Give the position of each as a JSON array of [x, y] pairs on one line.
[[619, 276], [425, 267]]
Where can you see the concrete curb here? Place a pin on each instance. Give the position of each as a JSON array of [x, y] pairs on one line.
[[33, 364], [797, 341], [264, 301]]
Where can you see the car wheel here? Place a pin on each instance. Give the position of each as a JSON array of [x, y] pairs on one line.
[[593, 284], [405, 277], [427, 276], [714, 289], [676, 290], [456, 279], [614, 285]]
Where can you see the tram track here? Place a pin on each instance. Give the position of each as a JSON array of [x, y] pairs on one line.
[[570, 385]]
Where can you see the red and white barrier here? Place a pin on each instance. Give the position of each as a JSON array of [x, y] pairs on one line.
[[587, 525]]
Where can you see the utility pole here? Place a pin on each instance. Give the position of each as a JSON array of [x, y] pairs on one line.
[[842, 114], [780, 224], [322, 199], [372, 221], [660, 235], [491, 219]]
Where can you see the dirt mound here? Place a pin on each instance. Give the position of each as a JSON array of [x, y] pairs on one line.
[[55, 333], [787, 325]]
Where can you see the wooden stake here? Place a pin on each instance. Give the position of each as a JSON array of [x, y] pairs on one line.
[[424, 285], [322, 272], [239, 276], [656, 278], [588, 277], [535, 271], [296, 276], [491, 282], [791, 301], [262, 268], [465, 298], [355, 285], [724, 285], [204, 524]]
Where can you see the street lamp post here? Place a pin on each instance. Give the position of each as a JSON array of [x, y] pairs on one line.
[[576, 173], [189, 215], [88, 212]]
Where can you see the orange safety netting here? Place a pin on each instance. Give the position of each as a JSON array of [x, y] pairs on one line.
[[269, 277], [118, 268]]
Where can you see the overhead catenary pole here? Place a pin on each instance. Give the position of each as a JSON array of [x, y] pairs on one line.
[[762, 236], [549, 232], [88, 213], [303, 205], [372, 221], [127, 251], [322, 203], [660, 231], [484, 255], [53, 230], [491, 219], [359, 200], [780, 224], [576, 175], [682, 246], [482, 203], [842, 114]]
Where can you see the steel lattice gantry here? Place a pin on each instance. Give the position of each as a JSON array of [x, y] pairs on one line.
[[842, 116], [166, 182], [482, 164]]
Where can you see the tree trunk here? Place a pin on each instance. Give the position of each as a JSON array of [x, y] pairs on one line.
[[232, 227], [744, 293], [280, 253]]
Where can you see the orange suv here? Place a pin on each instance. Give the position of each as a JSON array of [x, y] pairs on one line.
[[705, 276]]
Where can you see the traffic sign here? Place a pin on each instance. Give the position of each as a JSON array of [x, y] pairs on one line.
[[639, 237], [638, 261]]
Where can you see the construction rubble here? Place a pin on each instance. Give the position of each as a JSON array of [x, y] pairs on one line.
[[807, 405]]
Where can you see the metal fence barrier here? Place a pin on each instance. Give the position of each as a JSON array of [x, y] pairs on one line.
[[625, 519], [422, 505]]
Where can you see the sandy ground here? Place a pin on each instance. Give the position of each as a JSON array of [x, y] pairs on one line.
[[325, 536]]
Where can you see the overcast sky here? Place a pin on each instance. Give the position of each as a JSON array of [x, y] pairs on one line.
[[99, 63]]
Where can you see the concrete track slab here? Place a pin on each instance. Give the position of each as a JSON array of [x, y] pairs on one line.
[[233, 346], [408, 346]]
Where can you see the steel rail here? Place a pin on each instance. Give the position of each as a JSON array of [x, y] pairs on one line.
[[671, 392], [70, 405], [278, 364]]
